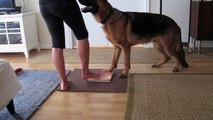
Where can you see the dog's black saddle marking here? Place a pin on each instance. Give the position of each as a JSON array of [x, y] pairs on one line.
[[148, 24]]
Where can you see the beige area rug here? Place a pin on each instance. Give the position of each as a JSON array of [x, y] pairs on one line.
[[104, 56], [170, 97]]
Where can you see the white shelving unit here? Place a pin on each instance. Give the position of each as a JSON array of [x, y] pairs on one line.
[[18, 33]]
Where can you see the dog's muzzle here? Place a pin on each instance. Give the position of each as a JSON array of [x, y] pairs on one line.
[[91, 6]]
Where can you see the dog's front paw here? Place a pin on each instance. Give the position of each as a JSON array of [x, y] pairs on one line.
[[175, 69], [108, 70], [124, 74], [156, 65]]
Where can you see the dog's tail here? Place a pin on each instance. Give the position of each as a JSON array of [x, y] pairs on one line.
[[180, 49]]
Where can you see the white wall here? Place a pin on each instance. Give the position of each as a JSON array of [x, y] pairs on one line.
[[154, 6], [18, 2], [43, 33], [179, 10], [44, 36]]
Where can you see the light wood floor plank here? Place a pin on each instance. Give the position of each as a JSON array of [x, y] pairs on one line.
[[89, 105]]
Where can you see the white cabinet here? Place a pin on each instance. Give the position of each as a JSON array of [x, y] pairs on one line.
[[18, 33]]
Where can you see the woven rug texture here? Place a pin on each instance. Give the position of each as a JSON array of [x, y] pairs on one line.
[[170, 97], [104, 56]]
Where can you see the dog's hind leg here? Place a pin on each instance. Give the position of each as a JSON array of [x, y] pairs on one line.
[[176, 50], [182, 57], [179, 48], [126, 52], [177, 59], [171, 50], [165, 56]]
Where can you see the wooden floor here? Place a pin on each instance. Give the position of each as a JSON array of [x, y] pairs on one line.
[[88, 105]]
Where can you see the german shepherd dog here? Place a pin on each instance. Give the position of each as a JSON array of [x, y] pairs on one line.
[[125, 29]]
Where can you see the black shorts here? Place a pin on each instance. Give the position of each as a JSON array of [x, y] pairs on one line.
[[59, 11]]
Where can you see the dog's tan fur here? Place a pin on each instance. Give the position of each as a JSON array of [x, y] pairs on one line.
[[117, 28]]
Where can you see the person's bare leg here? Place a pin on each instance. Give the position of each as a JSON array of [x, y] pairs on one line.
[[83, 52], [58, 60]]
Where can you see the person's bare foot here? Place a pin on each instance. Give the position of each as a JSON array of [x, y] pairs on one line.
[[64, 85], [90, 75]]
